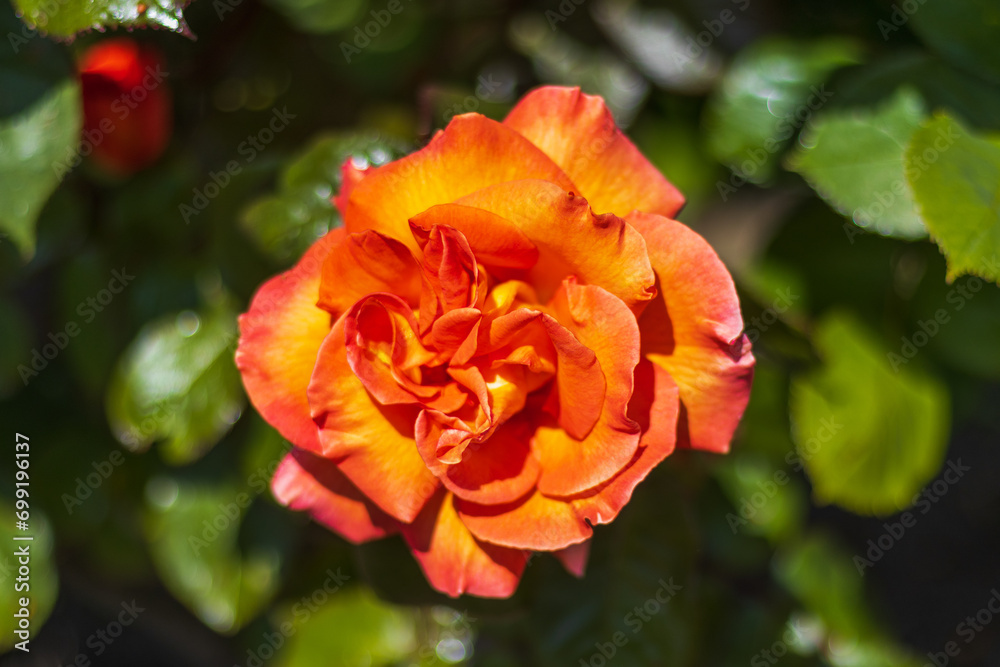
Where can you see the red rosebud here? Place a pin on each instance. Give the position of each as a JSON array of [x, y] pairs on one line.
[[126, 105]]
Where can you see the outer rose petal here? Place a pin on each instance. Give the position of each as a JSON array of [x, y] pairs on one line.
[[574, 558], [599, 249], [308, 482], [454, 561], [373, 445], [602, 323], [280, 336], [579, 134], [537, 522], [473, 152], [694, 331], [655, 407]]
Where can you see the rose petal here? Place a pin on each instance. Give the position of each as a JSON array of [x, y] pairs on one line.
[[280, 336], [304, 481], [599, 249], [450, 273], [602, 323], [367, 263], [454, 561], [373, 444], [495, 241], [350, 176], [537, 522], [694, 331], [498, 470], [385, 352], [655, 407], [574, 558], [472, 153], [578, 132]]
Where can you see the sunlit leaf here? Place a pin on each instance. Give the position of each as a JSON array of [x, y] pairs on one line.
[[854, 160], [352, 628], [32, 144], [869, 432], [65, 18], [193, 533], [770, 90], [177, 382], [955, 176]]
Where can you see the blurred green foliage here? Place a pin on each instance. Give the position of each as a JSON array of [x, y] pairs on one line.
[[808, 139]]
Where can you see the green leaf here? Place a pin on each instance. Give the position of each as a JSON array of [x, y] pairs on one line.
[[44, 576], [193, 533], [65, 18], [178, 382], [769, 91], [822, 576], [31, 144], [352, 628], [963, 31], [869, 437], [855, 162], [285, 224], [955, 177]]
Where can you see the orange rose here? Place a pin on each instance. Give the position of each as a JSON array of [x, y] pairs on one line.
[[487, 358], [126, 105]]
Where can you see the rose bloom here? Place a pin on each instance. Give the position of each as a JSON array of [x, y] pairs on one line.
[[126, 106], [508, 333]]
